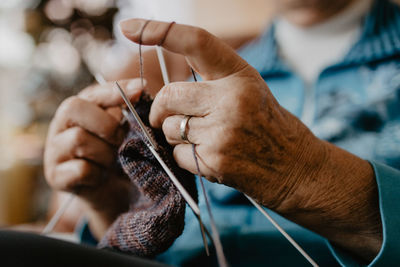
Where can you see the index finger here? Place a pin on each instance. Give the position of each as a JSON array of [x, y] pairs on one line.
[[209, 56]]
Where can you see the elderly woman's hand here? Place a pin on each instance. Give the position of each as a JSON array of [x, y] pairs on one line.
[[81, 150], [246, 140], [243, 137]]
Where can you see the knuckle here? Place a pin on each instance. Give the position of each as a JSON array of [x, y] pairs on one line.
[[49, 165], [218, 163], [78, 135], [49, 174], [201, 39], [79, 141], [167, 127], [155, 28], [65, 109], [83, 169], [69, 104], [222, 138], [56, 182], [166, 95], [69, 186], [109, 130], [164, 128], [177, 154]]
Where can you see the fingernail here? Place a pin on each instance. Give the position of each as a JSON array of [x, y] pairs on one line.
[[136, 84], [131, 27]]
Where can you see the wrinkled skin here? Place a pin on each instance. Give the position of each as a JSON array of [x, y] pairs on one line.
[[246, 140], [243, 138]]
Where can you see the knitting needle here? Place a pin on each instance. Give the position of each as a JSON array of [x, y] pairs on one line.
[[136, 116], [283, 232], [57, 216], [164, 72], [215, 234], [163, 66], [217, 241]]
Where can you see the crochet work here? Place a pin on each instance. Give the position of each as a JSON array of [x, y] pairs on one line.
[[156, 217]]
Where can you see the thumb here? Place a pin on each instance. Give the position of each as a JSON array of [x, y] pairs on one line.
[[208, 55], [107, 95]]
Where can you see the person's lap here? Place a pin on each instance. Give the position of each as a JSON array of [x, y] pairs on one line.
[[27, 249]]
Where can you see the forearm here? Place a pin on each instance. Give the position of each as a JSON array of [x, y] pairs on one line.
[[339, 200]]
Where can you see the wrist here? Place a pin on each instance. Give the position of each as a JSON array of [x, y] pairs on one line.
[[336, 196], [306, 166], [307, 157]]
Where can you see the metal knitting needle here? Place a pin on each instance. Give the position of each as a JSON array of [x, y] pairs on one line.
[[57, 216], [283, 232], [164, 72], [136, 116], [216, 237], [152, 146], [163, 66], [215, 234]]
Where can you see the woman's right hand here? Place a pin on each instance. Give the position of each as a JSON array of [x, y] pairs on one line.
[[81, 151]]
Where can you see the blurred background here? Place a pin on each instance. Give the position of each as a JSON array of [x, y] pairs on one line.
[[50, 49]]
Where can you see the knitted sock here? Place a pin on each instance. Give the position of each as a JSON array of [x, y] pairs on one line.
[[155, 218]]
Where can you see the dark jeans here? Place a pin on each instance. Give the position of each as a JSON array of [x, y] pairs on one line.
[[26, 249]]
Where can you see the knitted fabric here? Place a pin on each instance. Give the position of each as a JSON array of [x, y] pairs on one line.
[[156, 217]]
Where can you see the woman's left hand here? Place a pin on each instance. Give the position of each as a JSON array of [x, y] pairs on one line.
[[246, 140], [243, 137]]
